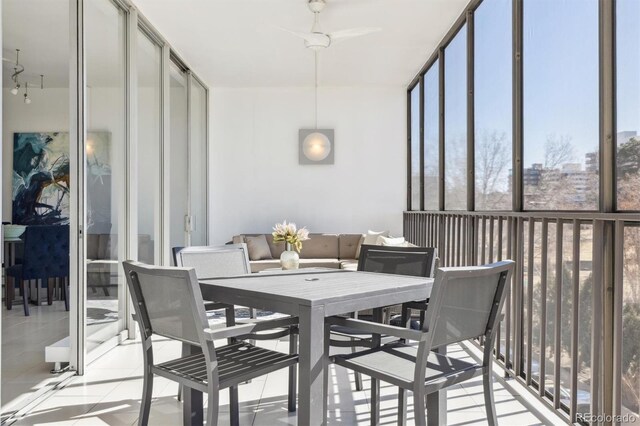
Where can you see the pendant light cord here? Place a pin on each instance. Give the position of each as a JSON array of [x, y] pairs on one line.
[[315, 52]]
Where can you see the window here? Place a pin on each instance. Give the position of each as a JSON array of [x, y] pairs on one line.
[[432, 138], [149, 145], [561, 110], [198, 164], [493, 101], [455, 116], [415, 148], [628, 108]]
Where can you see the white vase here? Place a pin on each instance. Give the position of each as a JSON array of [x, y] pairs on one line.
[[289, 259]]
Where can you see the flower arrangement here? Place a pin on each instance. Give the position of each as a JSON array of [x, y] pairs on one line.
[[290, 234]]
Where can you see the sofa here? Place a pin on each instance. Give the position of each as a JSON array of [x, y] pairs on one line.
[[337, 251]]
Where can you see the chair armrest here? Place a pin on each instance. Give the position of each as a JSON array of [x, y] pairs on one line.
[[262, 325], [210, 306], [227, 332], [374, 327], [249, 328]]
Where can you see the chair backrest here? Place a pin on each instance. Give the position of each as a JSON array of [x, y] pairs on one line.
[[466, 302], [46, 252], [413, 261], [167, 301], [214, 262]]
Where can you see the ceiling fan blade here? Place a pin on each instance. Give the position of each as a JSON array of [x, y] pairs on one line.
[[304, 36], [353, 32]]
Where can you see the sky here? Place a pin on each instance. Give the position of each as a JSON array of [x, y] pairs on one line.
[[561, 95]]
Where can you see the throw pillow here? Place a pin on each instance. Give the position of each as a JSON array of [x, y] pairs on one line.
[[370, 238], [258, 247], [391, 242]]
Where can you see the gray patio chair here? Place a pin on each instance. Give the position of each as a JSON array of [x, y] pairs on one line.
[[411, 261], [226, 261], [168, 303], [465, 303]]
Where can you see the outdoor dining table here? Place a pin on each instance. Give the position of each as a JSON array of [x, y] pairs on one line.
[[312, 295]]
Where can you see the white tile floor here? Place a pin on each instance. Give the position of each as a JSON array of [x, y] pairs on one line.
[[109, 395]]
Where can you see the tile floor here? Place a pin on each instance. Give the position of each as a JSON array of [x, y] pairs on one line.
[[110, 391]]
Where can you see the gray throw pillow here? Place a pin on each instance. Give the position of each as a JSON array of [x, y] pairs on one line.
[[258, 247]]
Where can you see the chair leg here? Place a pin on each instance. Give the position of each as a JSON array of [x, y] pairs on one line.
[[213, 406], [234, 406], [10, 292], [402, 407], [49, 292], [293, 372], [25, 297], [489, 402], [419, 408], [147, 393], [65, 290], [375, 402], [357, 376]]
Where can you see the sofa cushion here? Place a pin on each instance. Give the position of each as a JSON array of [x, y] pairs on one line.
[[261, 265], [371, 238], [320, 246], [258, 247], [349, 244], [276, 248], [349, 264]]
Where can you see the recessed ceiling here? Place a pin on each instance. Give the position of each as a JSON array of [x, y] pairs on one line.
[[235, 43]]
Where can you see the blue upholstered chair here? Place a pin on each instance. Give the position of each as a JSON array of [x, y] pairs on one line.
[[46, 255]]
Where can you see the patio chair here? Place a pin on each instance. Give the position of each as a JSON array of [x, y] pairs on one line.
[[168, 303], [465, 303], [411, 261], [225, 261]]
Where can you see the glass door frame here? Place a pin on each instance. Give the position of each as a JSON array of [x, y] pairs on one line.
[[129, 208]]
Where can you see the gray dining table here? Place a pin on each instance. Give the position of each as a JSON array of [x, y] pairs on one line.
[[312, 295]]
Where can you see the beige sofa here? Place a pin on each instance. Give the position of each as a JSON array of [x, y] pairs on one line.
[[321, 250]]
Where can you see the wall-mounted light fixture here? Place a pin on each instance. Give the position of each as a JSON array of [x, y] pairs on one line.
[[316, 146]]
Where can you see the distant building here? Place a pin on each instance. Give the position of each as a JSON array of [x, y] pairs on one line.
[[532, 175], [592, 162]]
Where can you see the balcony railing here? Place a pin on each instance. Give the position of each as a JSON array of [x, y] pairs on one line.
[[574, 298]]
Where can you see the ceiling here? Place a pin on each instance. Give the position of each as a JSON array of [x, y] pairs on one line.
[[235, 43]]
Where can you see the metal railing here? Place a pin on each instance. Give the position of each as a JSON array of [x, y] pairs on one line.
[[561, 333]]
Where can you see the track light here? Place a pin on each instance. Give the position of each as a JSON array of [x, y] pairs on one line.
[[15, 90], [27, 100]]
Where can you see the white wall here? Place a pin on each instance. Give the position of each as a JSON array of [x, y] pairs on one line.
[[255, 176]]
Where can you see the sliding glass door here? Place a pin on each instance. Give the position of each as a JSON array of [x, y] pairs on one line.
[[198, 163], [104, 180]]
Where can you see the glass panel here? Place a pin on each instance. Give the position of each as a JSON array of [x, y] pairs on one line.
[[431, 138], [149, 145], [105, 151], [631, 324], [179, 162], [415, 148], [455, 116], [628, 108], [493, 101], [38, 134], [198, 164], [561, 133]]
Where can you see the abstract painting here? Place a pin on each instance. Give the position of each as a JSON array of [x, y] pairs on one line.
[[40, 178]]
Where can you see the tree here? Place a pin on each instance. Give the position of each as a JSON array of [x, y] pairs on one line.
[[492, 161]]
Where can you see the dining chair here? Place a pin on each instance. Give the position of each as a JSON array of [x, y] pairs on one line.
[[168, 303], [465, 303], [225, 261], [46, 257], [411, 261]]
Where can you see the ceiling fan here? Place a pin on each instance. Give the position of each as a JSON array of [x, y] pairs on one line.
[[316, 39]]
